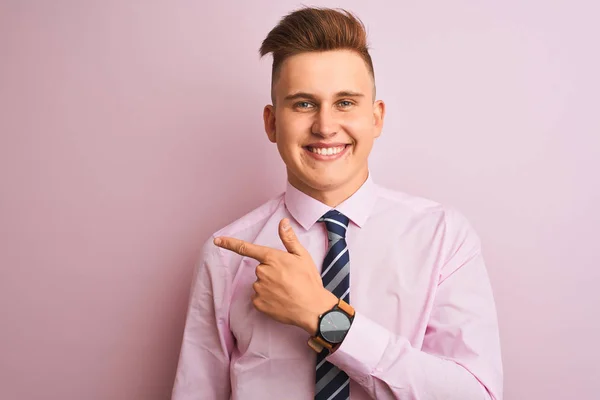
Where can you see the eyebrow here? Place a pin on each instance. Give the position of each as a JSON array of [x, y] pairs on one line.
[[304, 95]]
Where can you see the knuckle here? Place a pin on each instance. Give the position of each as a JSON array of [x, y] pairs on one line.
[[257, 303], [242, 249], [269, 258]]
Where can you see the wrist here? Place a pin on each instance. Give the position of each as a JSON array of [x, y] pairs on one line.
[[333, 326], [327, 302]]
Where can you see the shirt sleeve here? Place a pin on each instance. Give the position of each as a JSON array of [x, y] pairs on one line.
[[460, 357], [203, 369]]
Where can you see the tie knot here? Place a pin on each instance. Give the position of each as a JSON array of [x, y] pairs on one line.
[[336, 223]]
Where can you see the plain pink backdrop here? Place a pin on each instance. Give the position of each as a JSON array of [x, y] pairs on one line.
[[120, 120]]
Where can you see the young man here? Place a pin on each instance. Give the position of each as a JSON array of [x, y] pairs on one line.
[[338, 288]]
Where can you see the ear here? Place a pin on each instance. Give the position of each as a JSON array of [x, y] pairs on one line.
[[378, 116], [269, 120]]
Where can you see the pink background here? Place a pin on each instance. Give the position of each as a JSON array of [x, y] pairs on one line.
[[130, 131]]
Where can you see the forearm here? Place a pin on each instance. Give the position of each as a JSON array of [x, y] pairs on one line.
[[388, 367]]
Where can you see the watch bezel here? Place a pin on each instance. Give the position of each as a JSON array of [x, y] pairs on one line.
[[323, 318]]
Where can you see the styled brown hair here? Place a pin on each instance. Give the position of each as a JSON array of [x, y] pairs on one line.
[[313, 29]]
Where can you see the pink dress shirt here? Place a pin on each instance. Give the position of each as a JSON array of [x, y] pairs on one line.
[[425, 325]]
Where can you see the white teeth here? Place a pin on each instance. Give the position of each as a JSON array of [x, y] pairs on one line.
[[327, 151]]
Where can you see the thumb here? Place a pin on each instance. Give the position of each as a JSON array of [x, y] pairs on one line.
[[289, 239]]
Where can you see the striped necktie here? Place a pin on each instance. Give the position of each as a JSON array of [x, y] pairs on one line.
[[331, 382]]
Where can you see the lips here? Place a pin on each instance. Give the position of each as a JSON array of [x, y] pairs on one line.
[[327, 152]]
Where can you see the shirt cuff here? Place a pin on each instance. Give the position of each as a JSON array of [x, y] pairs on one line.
[[362, 348]]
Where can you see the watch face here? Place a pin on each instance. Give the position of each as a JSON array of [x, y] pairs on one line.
[[334, 326]]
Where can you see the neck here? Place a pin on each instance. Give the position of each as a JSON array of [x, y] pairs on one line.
[[331, 196]]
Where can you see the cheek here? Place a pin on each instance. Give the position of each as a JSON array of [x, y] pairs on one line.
[[360, 129], [287, 143], [292, 130]]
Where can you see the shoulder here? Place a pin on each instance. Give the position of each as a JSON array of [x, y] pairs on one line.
[[392, 198], [417, 205], [245, 228], [251, 221], [452, 223], [445, 225]]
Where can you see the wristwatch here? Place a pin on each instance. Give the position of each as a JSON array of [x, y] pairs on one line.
[[332, 328]]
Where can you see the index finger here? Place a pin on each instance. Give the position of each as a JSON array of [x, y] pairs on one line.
[[259, 253]]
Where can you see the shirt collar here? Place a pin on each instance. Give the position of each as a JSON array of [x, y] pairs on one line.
[[307, 210]]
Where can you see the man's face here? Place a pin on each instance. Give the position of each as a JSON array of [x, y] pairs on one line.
[[324, 120]]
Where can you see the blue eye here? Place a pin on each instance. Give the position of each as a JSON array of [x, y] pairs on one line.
[[303, 104], [345, 103]]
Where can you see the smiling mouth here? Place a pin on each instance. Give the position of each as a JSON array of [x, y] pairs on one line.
[[327, 151]]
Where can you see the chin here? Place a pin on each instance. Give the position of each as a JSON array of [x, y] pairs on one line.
[[326, 183]]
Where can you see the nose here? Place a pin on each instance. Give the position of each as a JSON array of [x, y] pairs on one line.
[[325, 124]]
